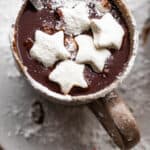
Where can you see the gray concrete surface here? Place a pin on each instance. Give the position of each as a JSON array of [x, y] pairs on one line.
[[65, 128]]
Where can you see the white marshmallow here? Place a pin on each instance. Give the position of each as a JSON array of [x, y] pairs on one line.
[[89, 54], [68, 74], [76, 19], [107, 32], [48, 49]]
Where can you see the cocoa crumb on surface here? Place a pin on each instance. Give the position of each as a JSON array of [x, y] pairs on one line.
[[37, 113], [13, 25]]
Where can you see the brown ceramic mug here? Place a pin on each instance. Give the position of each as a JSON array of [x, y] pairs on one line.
[[106, 104]]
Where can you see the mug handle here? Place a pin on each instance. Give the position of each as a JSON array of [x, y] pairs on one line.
[[117, 119]]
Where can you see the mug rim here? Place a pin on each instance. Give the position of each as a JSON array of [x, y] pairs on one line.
[[82, 99]]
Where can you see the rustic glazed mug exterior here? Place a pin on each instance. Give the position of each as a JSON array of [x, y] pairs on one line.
[[108, 107]]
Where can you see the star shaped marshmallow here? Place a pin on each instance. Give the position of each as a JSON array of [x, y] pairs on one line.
[[107, 32], [68, 74], [48, 49], [88, 53], [76, 19]]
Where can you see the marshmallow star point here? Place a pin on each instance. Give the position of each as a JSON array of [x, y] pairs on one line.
[[89, 54], [48, 49], [68, 74], [76, 19], [107, 32]]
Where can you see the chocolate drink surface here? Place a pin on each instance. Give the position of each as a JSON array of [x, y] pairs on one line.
[[49, 20]]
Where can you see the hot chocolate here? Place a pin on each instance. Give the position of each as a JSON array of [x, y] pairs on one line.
[[52, 20]]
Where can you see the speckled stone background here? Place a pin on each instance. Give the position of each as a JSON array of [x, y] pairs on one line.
[[65, 128]]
